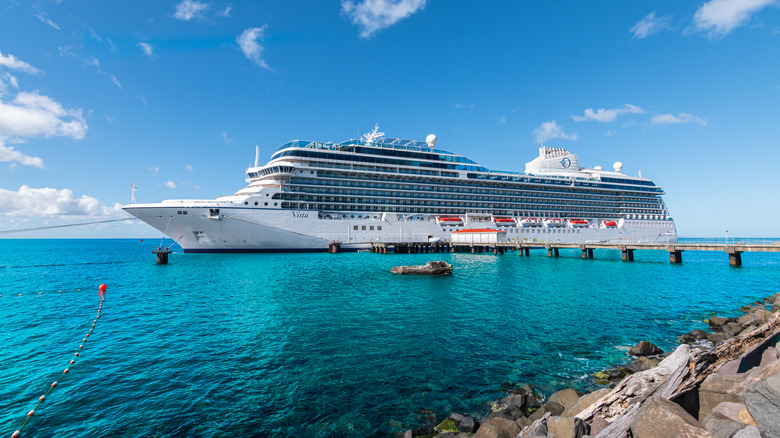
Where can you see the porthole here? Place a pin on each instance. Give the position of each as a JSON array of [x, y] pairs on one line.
[[255, 202], [275, 204], [246, 203], [266, 204]]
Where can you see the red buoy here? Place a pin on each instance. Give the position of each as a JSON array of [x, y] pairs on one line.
[[53, 384], [65, 371], [31, 413], [42, 398], [102, 287], [16, 434]]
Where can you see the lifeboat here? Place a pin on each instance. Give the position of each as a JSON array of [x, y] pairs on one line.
[[531, 222], [555, 222], [609, 224], [504, 221], [452, 220], [578, 223]]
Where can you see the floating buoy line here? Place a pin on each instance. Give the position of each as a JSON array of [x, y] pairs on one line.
[[102, 292], [22, 230]]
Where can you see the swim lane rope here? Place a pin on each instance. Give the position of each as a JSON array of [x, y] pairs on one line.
[[41, 399]]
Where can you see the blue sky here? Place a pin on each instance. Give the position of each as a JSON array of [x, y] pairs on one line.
[[174, 96]]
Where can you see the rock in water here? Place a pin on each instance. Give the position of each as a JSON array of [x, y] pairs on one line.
[[645, 348], [430, 268]]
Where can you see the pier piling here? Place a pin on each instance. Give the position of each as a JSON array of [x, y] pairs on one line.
[[162, 255]]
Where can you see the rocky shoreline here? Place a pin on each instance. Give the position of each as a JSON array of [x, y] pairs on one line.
[[722, 384]]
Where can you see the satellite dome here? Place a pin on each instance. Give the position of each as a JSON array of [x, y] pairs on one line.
[[597, 168], [618, 166], [431, 140]]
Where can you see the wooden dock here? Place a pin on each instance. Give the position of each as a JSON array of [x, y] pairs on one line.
[[734, 250]]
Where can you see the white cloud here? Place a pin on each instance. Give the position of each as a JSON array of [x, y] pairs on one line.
[[549, 130], [249, 41], [32, 114], [607, 115], [46, 201], [41, 16], [461, 105], [170, 185], [189, 9], [14, 63], [717, 18], [10, 155], [188, 166], [153, 169], [670, 119], [372, 16], [502, 120], [650, 25], [226, 12], [227, 139], [147, 48]]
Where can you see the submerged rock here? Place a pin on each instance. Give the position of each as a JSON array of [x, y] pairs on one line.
[[430, 268]]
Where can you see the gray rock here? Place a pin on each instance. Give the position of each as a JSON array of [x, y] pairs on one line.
[[538, 428], [584, 402], [763, 400], [498, 428], [731, 328], [517, 401], [659, 417], [717, 322], [776, 305], [729, 409], [768, 356], [761, 316], [419, 432], [531, 400], [721, 425], [748, 432], [717, 388], [523, 422], [645, 348], [771, 299], [566, 427], [597, 425], [745, 319], [693, 336], [464, 423], [554, 408], [430, 268], [565, 397], [717, 338], [642, 364]]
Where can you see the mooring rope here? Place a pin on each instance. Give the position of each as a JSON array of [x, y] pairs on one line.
[[21, 230], [41, 399]]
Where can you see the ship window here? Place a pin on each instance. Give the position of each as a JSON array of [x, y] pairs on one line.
[[363, 228], [354, 227], [371, 228], [379, 228]]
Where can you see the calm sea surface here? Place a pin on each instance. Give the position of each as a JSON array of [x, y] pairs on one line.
[[326, 345]]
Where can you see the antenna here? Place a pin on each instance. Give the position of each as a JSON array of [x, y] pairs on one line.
[[257, 155], [133, 188]]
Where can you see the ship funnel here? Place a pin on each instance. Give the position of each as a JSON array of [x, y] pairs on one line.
[[257, 155]]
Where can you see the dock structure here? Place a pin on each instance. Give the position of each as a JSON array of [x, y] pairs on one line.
[[734, 250]]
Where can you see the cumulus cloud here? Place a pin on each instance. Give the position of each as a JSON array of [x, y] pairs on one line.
[[550, 130], [461, 105], [33, 114], [607, 115], [36, 202], [189, 9], [170, 185], [147, 48], [372, 16], [718, 18], [11, 62], [249, 41], [671, 119], [10, 155], [650, 25]]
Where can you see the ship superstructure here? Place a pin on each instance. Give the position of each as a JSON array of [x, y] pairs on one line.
[[379, 189]]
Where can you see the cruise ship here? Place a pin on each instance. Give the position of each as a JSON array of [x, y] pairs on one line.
[[379, 189]]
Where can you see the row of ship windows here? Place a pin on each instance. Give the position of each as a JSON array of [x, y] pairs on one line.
[[500, 209], [308, 193], [451, 188], [473, 202], [370, 227], [503, 180]]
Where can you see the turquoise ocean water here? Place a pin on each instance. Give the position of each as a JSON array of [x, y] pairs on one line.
[[326, 345]]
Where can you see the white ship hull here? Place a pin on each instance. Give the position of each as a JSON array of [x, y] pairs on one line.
[[240, 229]]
